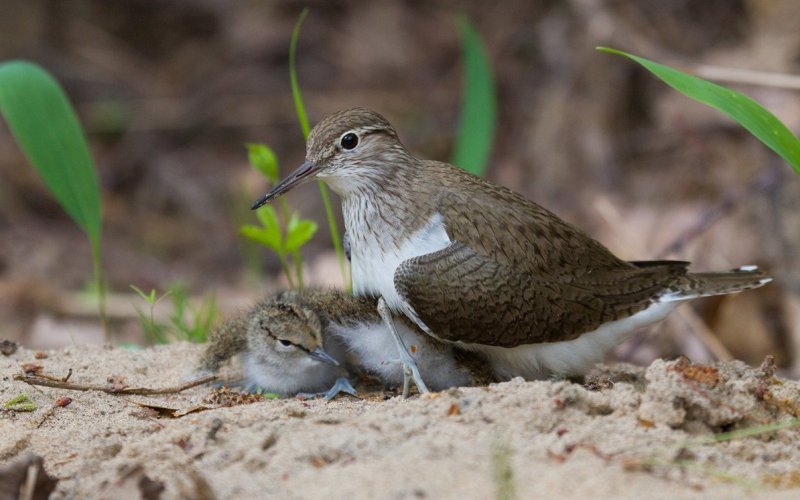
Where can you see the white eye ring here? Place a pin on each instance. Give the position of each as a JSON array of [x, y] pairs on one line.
[[286, 344]]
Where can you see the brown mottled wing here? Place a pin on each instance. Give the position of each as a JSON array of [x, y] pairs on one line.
[[518, 233], [461, 295]]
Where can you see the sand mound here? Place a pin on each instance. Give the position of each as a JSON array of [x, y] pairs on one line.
[[627, 433]]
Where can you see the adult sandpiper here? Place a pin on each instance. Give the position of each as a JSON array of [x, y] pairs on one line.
[[473, 263]]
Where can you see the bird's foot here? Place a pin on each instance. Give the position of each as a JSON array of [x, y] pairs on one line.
[[341, 386], [556, 377], [410, 370]]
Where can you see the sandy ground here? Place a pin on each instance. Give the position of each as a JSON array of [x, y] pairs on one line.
[[629, 433]]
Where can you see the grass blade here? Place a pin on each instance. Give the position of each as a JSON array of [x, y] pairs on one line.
[[299, 107], [302, 117], [478, 106], [744, 110], [44, 125]]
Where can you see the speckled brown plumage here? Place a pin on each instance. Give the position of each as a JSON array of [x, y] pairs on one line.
[[514, 272], [530, 309]]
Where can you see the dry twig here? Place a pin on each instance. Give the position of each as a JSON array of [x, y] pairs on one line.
[[140, 391]]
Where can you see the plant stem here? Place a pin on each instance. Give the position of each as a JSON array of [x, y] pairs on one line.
[[335, 238], [302, 117], [298, 259], [286, 269], [298, 268], [100, 283]]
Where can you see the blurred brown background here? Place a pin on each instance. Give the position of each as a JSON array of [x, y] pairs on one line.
[[170, 90]]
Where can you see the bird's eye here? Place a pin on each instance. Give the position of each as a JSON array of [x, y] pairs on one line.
[[285, 343], [349, 140]]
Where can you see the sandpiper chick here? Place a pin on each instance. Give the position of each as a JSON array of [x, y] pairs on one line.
[[282, 349], [282, 341], [473, 263]]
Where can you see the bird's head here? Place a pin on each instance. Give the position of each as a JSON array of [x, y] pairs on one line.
[[288, 334], [348, 150]]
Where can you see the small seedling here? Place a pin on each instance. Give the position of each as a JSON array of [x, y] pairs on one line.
[[186, 322], [20, 403], [285, 235], [191, 323], [153, 330]]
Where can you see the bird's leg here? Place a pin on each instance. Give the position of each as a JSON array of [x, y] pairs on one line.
[[410, 369], [342, 385]]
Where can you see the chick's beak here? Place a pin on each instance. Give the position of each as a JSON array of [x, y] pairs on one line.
[[303, 173], [323, 356]]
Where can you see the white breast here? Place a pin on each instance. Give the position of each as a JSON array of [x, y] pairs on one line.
[[374, 263], [375, 352]]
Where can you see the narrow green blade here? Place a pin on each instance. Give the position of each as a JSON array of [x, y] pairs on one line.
[[44, 125], [305, 128], [478, 107], [744, 110], [298, 98]]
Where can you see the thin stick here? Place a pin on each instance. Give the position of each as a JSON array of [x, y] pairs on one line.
[[764, 182], [139, 391], [747, 76]]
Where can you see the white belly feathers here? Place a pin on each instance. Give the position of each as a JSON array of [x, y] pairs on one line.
[[373, 266]]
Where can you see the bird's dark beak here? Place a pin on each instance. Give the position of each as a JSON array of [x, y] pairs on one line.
[[323, 356], [304, 172]]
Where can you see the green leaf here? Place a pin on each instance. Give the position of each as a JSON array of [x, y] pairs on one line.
[[266, 237], [20, 403], [298, 99], [264, 160], [305, 129], [744, 110], [299, 232], [141, 293], [478, 106], [44, 125], [268, 217]]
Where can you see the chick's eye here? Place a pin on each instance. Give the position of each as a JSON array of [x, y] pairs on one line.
[[349, 140], [285, 343]]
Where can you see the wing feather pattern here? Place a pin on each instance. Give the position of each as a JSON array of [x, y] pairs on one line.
[[462, 295]]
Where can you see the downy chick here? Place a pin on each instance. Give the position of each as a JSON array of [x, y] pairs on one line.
[[282, 349], [355, 324], [282, 341]]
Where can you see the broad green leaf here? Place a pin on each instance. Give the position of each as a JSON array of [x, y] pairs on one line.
[[744, 110], [44, 125], [264, 160], [298, 98], [298, 232], [478, 107], [260, 235]]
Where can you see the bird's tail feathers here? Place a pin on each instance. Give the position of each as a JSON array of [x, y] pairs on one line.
[[695, 285]]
